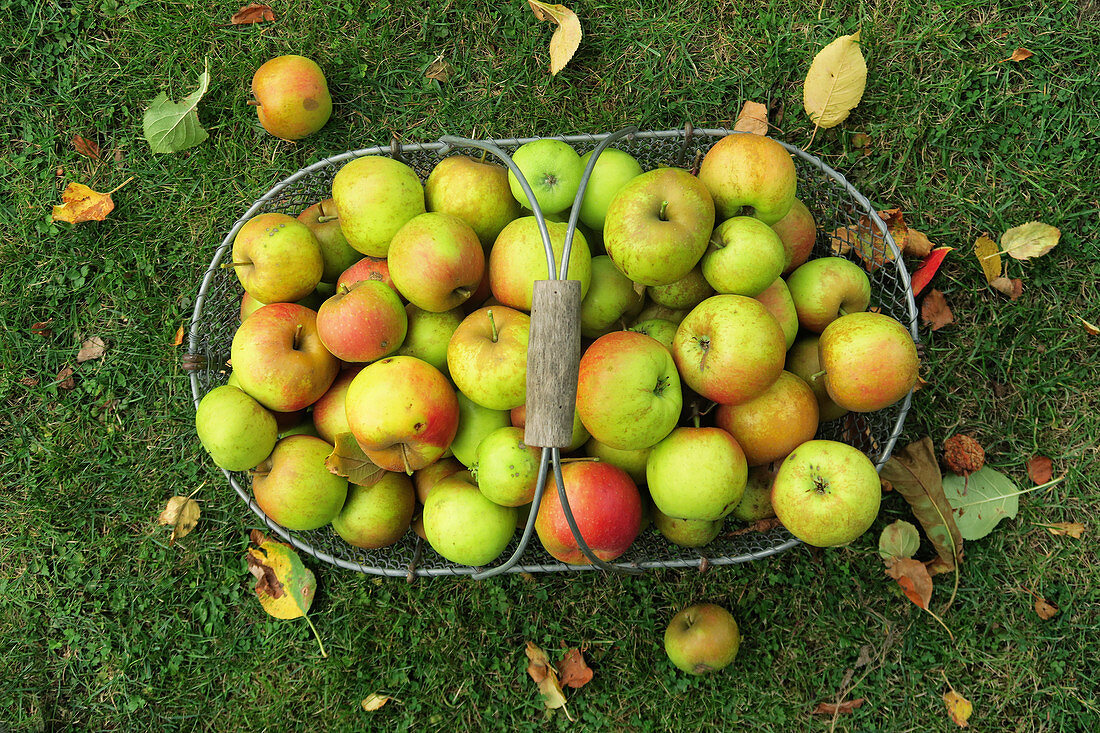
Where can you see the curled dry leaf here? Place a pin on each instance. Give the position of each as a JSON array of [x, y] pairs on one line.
[[545, 676], [567, 36], [867, 239], [1040, 469], [1067, 529], [753, 118], [42, 328], [1090, 328], [64, 379], [830, 708], [899, 539], [182, 515], [572, 669], [374, 701], [934, 311], [1013, 287], [92, 348], [179, 337], [254, 13], [348, 460], [861, 140], [1045, 608], [913, 578], [958, 707], [29, 381], [1020, 54], [760, 525], [917, 244], [439, 70], [1033, 239], [83, 204], [86, 147], [928, 267], [835, 82], [989, 257]]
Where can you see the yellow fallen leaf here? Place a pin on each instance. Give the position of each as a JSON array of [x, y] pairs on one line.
[[1033, 239], [1068, 529], [83, 204], [753, 118], [179, 337], [181, 514], [284, 585], [374, 701], [1090, 328], [835, 82], [985, 249], [567, 36], [1021, 54], [959, 708]]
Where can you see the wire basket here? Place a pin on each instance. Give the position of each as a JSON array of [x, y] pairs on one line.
[[834, 203]]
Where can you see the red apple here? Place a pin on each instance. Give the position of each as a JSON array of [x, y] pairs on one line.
[[774, 423], [363, 323], [777, 299], [426, 478], [436, 261], [368, 268], [606, 506], [870, 361], [329, 416], [487, 357]]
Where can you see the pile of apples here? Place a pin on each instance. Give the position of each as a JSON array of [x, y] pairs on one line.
[[396, 315]]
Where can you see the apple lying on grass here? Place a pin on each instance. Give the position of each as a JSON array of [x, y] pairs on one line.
[[702, 639]]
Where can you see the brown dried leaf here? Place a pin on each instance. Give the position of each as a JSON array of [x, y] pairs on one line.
[[1045, 608], [1033, 239], [254, 13], [572, 669], [83, 204], [182, 514], [1067, 529], [64, 379], [545, 677], [913, 578], [1090, 328], [86, 147], [861, 140], [29, 381], [42, 328], [439, 70], [567, 36], [989, 257], [829, 708], [179, 337], [1020, 54], [374, 701], [867, 240], [753, 118], [958, 707], [934, 311], [92, 348], [1013, 288], [1040, 469], [917, 244]]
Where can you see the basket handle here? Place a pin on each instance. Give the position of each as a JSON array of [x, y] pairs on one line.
[[553, 358]]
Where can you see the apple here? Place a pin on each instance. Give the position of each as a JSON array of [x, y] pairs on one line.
[[362, 323], [487, 357], [578, 437], [279, 358], [276, 258], [657, 226], [804, 361], [749, 174], [826, 289], [798, 232], [426, 478], [775, 422], [337, 254], [628, 391], [777, 299], [375, 196], [292, 97], [306, 427], [519, 258], [659, 312], [403, 413], [826, 493], [475, 191], [683, 294], [378, 515], [605, 504], [744, 257], [367, 268], [631, 461], [474, 424], [687, 532], [663, 331], [507, 469], [756, 504], [436, 261], [703, 638], [870, 361], [235, 429], [729, 349], [610, 296], [696, 473], [429, 333], [552, 169], [613, 170], [294, 486], [462, 525], [329, 415], [250, 305]]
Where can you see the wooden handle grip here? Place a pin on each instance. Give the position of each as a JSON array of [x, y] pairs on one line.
[[553, 357]]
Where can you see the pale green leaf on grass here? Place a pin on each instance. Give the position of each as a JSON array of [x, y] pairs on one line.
[[981, 500], [170, 127], [898, 540]]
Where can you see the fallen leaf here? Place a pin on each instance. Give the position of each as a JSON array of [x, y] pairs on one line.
[[829, 708], [348, 460], [981, 500], [753, 118], [913, 578], [934, 311], [958, 707], [1090, 329], [1033, 239], [835, 82], [545, 677], [179, 337], [861, 140], [92, 348], [567, 36], [866, 239], [64, 379], [86, 147], [1067, 529], [170, 127], [284, 585], [989, 257], [83, 204], [439, 70], [928, 268], [254, 13], [1045, 609], [29, 382], [915, 474], [181, 514], [374, 701], [572, 669], [1020, 54], [899, 539], [917, 244], [1040, 469], [1013, 288], [42, 328]]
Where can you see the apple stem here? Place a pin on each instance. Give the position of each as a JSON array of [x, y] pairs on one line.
[[493, 325], [327, 218], [463, 292], [663, 213], [842, 311], [344, 289], [696, 420], [254, 103], [227, 265], [817, 375], [297, 336]]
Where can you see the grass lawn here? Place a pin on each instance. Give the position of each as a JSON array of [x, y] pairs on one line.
[[104, 626]]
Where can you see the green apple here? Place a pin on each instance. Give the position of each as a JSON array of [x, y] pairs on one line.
[[631, 461], [756, 504], [749, 175], [475, 191], [436, 261], [696, 473], [657, 328], [798, 232], [702, 639], [613, 170], [777, 299], [552, 169], [804, 360], [609, 297], [684, 294], [292, 97], [294, 486], [235, 429], [337, 254], [487, 357], [277, 258], [462, 525], [654, 311], [518, 259], [474, 423], [687, 532], [745, 256], [507, 468], [305, 427], [870, 361], [379, 515], [429, 333], [375, 196], [826, 289]]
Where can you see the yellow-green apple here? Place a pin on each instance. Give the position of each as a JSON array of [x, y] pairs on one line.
[[729, 349], [775, 422], [475, 191], [519, 258], [235, 429], [374, 198], [744, 257], [292, 97], [631, 461], [628, 391], [610, 296], [798, 232], [657, 226], [378, 515], [436, 261], [429, 333], [576, 439], [684, 294], [277, 258], [481, 294], [606, 506], [329, 415], [362, 323], [250, 305], [652, 311], [552, 169], [507, 469], [657, 328], [870, 361], [777, 299], [305, 427], [294, 486], [687, 532], [474, 424], [337, 254], [462, 525], [826, 289], [804, 360], [756, 504], [613, 170], [696, 473], [426, 478], [487, 357], [367, 268], [749, 175], [279, 358], [403, 413], [703, 638], [826, 493]]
